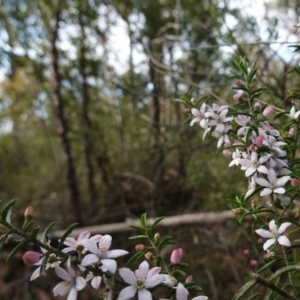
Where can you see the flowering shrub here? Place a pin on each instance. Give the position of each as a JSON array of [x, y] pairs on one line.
[[262, 141]]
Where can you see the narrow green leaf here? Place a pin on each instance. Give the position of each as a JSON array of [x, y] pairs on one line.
[[6, 213], [243, 290], [156, 222], [135, 237], [3, 239], [15, 250], [179, 272], [268, 265], [34, 233], [287, 269], [28, 225], [137, 228], [43, 266], [66, 234], [143, 221], [136, 256], [255, 296], [166, 241], [46, 231]]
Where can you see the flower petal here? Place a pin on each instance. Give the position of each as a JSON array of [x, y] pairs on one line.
[[96, 282], [283, 227], [128, 275], [127, 293], [284, 241], [72, 295], [91, 246], [143, 270], [61, 273], [89, 260], [109, 264], [80, 283], [105, 241], [269, 243], [61, 289], [264, 233], [154, 280], [282, 181], [181, 292], [273, 226], [116, 253], [266, 192], [143, 294]]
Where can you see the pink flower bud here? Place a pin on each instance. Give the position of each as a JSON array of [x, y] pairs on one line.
[[246, 251], [268, 112], [237, 143], [252, 147], [236, 97], [227, 153], [292, 131], [189, 278], [257, 106], [237, 211], [295, 182], [148, 255], [253, 262], [259, 141], [31, 257], [238, 82], [176, 256], [29, 212], [139, 247]]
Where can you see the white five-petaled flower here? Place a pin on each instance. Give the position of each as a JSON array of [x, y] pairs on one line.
[[140, 281], [294, 114], [199, 116], [71, 283], [102, 254], [253, 164], [275, 234], [274, 185]]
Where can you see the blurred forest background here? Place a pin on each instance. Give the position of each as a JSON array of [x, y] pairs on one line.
[[90, 131]]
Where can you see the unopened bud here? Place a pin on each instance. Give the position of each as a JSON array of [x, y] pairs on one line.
[[252, 147], [176, 256], [193, 100], [257, 106], [268, 111], [156, 237], [31, 257], [237, 211], [236, 97], [253, 262], [227, 153], [292, 131], [189, 278], [253, 203], [238, 83], [246, 251], [186, 111], [148, 255], [295, 182], [139, 247], [259, 141], [29, 212], [240, 146]]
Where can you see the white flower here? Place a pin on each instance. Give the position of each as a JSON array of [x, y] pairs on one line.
[[76, 245], [254, 164], [274, 185], [140, 281], [293, 114], [199, 116], [101, 254], [95, 278], [71, 284], [275, 234]]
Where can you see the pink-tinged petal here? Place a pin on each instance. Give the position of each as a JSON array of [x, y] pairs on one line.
[[245, 162], [80, 283], [83, 235], [279, 190], [269, 243], [266, 192], [68, 249], [154, 280], [96, 282], [91, 246], [250, 171], [195, 112], [283, 227], [143, 270], [128, 275], [70, 270], [69, 241], [96, 238], [284, 241], [194, 121], [109, 264], [262, 169], [262, 182], [181, 292], [273, 226], [282, 180], [35, 274], [264, 233], [82, 269], [220, 141], [72, 294], [153, 272], [105, 241], [89, 260], [127, 293], [61, 289], [143, 294], [200, 298], [272, 176], [61, 273], [116, 253]]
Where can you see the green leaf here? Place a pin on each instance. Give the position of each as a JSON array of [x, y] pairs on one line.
[[34, 233], [111, 280], [3, 239], [43, 266], [183, 265], [137, 228], [135, 237], [244, 289], [66, 234], [28, 225], [143, 221], [179, 272], [166, 241], [6, 213], [157, 221], [255, 296], [287, 269], [136, 256], [268, 265], [15, 250], [46, 231]]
